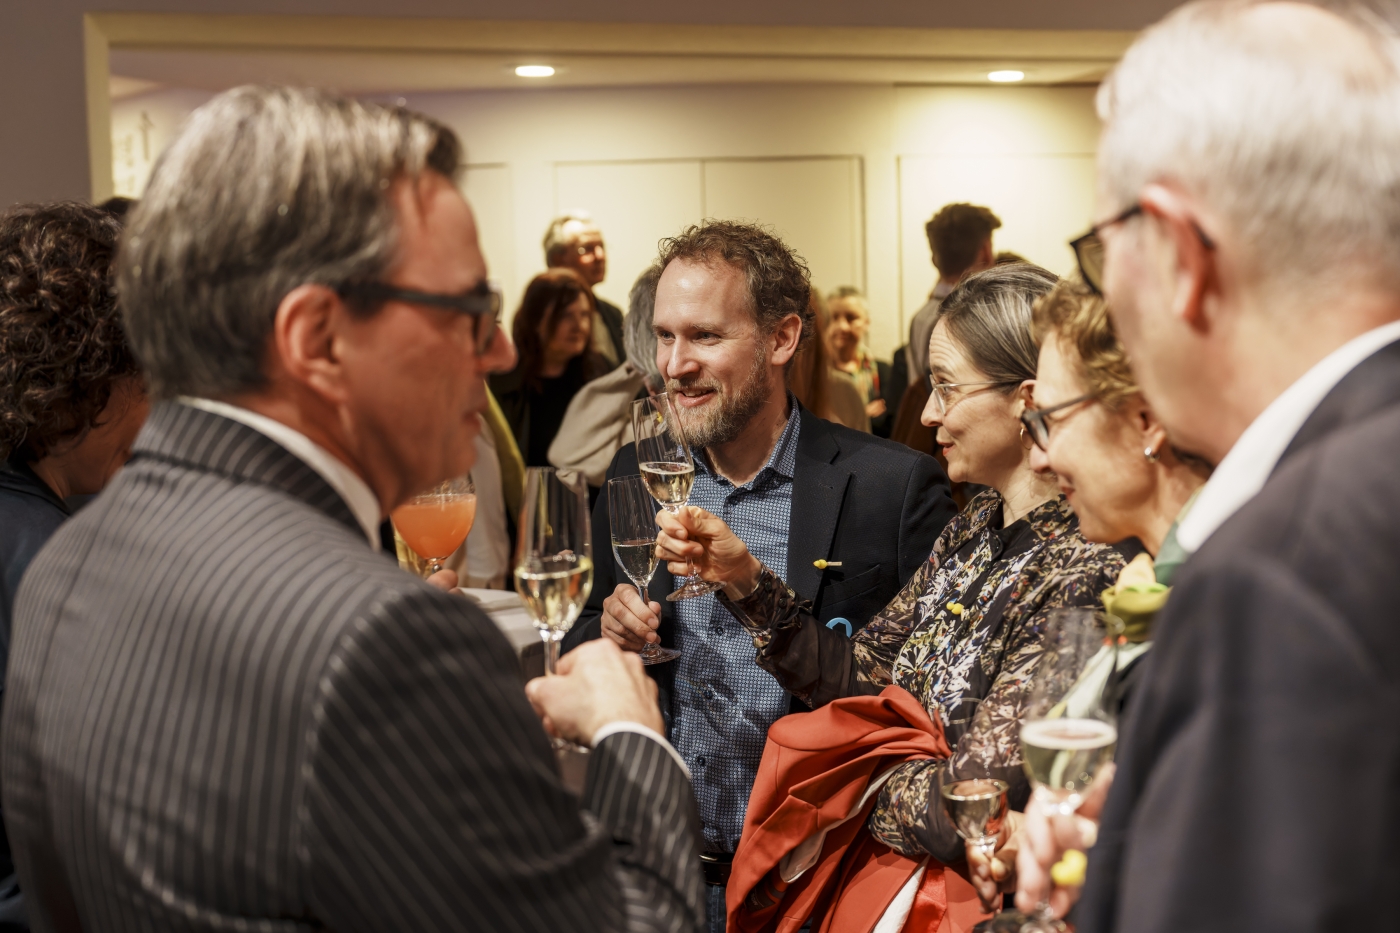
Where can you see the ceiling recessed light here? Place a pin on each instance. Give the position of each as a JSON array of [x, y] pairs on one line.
[[535, 71], [1006, 77]]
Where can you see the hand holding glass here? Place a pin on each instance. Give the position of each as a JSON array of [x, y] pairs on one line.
[[668, 467], [632, 519], [1068, 732]]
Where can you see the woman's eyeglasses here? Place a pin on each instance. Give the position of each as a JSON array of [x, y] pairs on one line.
[[943, 392], [1038, 424]]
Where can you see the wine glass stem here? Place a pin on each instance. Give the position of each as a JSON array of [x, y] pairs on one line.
[[436, 566], [551, 653]]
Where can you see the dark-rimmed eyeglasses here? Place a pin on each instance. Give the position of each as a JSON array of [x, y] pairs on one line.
[[1088, 249], [944, 395], [1038, 425], [482, 303]]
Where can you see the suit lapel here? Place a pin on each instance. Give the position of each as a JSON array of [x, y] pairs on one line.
[[215, 444], [1370, 387], [818, 491]]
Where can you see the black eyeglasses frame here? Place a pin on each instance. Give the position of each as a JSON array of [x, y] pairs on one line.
[[1087, 245], [1038, 426], [484, 303]]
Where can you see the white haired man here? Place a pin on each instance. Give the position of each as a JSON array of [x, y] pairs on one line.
[[573, 241], [1249, 181]]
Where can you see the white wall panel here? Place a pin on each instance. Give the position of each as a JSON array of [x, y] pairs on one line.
[[635, 205], [814, 205], [1043, 201], [489, 190]]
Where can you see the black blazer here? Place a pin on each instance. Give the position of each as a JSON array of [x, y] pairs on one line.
[[872, 504], [612, 320], [1258, 780], [226, 711]]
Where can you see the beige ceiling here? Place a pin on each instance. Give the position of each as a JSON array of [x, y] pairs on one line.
[[376, 56]]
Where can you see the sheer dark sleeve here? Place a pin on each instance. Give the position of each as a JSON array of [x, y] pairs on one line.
[[817, 664]]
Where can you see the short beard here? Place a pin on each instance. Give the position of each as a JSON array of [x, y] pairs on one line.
[[733, 413]]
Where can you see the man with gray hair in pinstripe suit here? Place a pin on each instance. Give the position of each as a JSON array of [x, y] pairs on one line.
[[224, 709]]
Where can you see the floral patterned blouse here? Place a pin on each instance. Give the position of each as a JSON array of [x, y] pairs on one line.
[[963, 633]]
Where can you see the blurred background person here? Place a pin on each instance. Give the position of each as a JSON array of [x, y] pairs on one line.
[[553, 329], [573, 241], [826, 392], [964, 633], [599, 420], [960, 242], [849, 323], [72, 399]]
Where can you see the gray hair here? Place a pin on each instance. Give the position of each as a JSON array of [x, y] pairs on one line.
[[852, 295], [264, 190], [555, 243], [1299, 152], [638, 335], [989, 315]]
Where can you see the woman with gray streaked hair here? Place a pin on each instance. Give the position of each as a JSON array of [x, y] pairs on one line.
[[964, 634], [599, 419]]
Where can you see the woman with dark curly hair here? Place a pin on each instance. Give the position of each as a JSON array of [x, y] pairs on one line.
[[72, 397]]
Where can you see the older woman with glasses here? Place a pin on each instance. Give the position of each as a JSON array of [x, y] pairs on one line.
[[964, 633]]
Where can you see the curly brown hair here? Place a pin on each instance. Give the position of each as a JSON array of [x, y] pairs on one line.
[[1080, 318], [61, 341], [778, 280]]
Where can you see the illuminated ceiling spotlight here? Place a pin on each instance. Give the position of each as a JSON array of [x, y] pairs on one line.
[[534, 71], [1006, 77]]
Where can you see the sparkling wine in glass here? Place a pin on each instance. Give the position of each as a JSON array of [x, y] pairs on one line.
[[1068, 732], [977, 808], [435, 523], [554, 554], [632, 518], [668, 468]]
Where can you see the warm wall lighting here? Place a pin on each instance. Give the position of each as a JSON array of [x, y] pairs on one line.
[[535, 71], [1006, 77]]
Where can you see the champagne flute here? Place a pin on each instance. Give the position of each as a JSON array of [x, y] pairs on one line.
[[435, 523], [632, 518], [668, 467], [554, 557], [973, 795], [1068, 732]]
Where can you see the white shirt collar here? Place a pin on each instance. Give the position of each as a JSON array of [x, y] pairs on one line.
[[1247, 466], [345, 481]]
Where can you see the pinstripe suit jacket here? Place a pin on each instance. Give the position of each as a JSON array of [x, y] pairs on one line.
[[225, 712]]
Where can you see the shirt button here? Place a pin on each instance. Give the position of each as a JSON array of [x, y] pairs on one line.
[[709, 694], [719, 629], [700, 761]]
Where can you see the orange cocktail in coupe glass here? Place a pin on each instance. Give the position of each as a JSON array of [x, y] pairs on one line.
[[435, 523]]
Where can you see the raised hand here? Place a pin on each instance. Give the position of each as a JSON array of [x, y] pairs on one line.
[[629, 622], [596, 684], [693, 538]]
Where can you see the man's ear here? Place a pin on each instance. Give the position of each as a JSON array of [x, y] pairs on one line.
[[303, 339], [785, 339], [1195, 257]]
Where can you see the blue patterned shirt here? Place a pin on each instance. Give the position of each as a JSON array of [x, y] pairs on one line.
[[723, 702]]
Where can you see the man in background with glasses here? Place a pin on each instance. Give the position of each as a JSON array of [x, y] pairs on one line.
[[574, 241], [224, 709], [1249, 185]]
